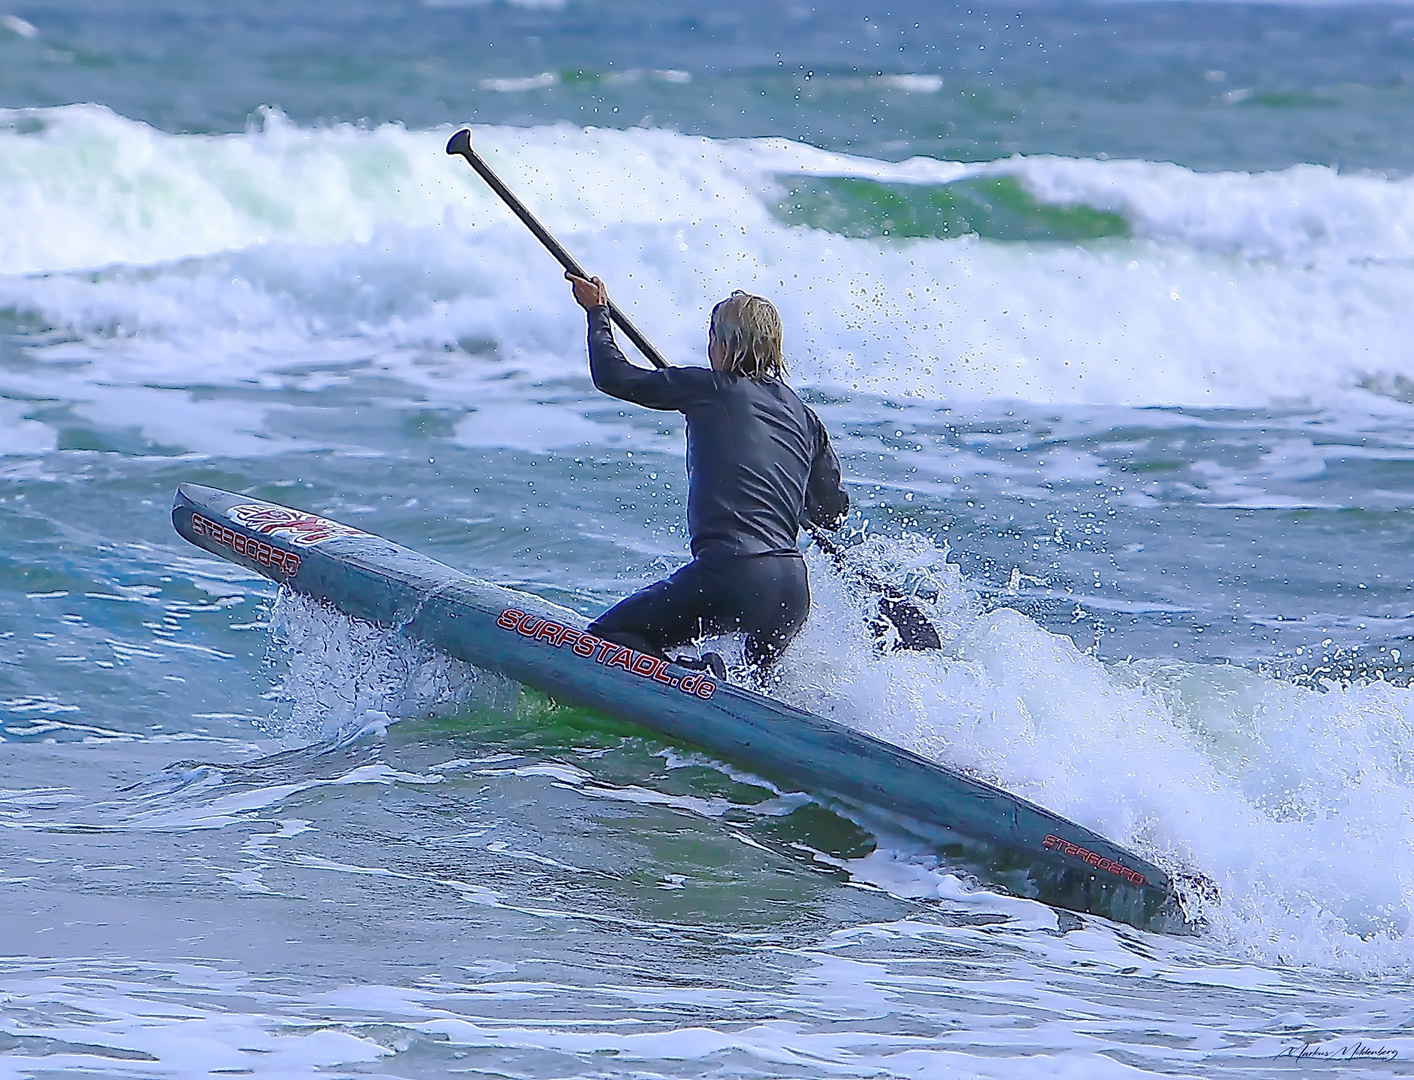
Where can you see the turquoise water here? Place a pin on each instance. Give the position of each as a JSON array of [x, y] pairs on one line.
[[1107, 308], [1208, 85]]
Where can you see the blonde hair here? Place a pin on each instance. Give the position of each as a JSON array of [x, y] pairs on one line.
[[748, 328]]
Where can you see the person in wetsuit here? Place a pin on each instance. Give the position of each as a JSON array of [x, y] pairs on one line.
[[759, 465]]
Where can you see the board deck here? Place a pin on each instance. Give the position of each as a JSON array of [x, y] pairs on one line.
[[1025, 847]]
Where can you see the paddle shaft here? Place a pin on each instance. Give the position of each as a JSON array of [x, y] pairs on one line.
[[460, 144]]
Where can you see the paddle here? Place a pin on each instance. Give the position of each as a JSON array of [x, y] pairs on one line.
[[915, 632], [461, 144]]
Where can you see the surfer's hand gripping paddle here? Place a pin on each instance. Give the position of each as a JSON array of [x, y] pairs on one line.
[[914, 630]]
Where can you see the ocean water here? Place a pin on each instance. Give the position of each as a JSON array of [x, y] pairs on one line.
[[1108, 307]]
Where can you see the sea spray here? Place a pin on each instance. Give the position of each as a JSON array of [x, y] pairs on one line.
[[1296, 802], [341, 670]]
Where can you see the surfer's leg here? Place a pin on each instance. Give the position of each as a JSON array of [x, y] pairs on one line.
[[775, 599], [662, 616]]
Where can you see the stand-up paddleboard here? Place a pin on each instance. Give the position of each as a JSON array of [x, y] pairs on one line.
[[1033, 852]]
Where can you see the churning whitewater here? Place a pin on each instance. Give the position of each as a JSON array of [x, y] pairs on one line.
[[1204, 290]]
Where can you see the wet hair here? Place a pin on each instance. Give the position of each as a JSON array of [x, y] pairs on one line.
[[748, 328]]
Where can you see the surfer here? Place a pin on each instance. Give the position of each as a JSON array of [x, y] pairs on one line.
[[759, 465]]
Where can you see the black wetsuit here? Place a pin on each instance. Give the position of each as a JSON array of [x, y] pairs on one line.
[[758, 464]]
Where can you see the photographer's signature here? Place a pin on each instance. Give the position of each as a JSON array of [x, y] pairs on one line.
[[1360, 1050]]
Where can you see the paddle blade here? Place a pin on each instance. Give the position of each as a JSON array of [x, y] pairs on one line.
[[915, 632], [460, 143]]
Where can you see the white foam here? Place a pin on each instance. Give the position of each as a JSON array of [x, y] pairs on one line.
[[902, 999], [531, 426], [17, 25], [1306, 215], [96, 1023], [526, 82], [189, 810], [284, 245], [1297, 802], [20, 435], [343, 671], [913, 84]]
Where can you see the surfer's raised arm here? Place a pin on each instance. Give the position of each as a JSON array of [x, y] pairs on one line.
[[759, 465], [611, 370]]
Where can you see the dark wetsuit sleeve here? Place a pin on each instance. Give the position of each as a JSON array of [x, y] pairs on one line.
[[658, 388], [826, 501]]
